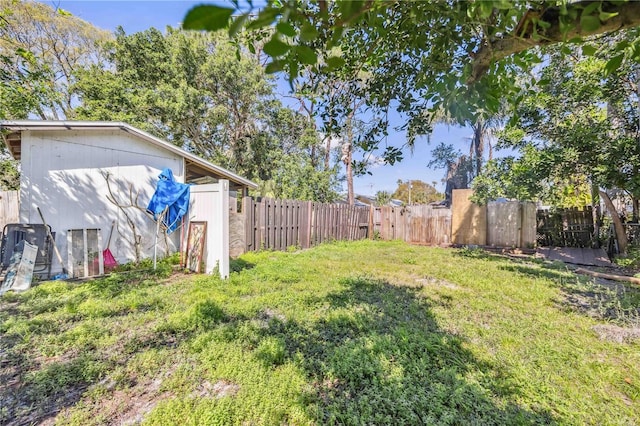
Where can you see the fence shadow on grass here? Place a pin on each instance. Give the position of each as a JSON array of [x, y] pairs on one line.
[[378, 356], [478, 253]]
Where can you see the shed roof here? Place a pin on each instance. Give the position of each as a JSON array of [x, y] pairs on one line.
[[196, 167]]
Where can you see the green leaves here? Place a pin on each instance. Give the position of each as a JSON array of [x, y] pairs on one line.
[[591, 7], [276, 47], [207, 17], [274, 67], [237, 24], [589, 23], [286, 28], [334, 62], [613, 64], [604, 16], [306, 55], [308, 32], [264, 18]]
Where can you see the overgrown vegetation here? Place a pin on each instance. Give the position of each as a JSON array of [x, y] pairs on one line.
[[403, 335]]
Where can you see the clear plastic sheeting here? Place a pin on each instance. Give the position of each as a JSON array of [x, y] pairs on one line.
[[85, 253], [20, 272]]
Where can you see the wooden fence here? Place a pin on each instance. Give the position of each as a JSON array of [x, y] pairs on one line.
[[9, 208], [278, 224], [422, 224], [511, 224], [565, 227]]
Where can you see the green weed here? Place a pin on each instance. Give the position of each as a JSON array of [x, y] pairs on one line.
[[366, 332]]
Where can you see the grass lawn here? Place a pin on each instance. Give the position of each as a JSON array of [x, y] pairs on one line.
[[346, 333]]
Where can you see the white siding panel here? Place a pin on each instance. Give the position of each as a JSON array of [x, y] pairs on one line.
[[210, 203], [63, 174]]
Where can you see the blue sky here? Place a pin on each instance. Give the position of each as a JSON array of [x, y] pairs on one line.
[[136, 16]]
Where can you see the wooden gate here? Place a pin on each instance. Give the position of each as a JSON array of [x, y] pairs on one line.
[[423, 224]]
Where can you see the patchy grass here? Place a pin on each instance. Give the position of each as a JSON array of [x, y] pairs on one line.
[[347, 333]]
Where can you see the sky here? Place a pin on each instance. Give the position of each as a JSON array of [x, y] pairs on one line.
[[136, 16]]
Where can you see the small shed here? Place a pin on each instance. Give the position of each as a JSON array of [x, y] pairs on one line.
[[71, 169]]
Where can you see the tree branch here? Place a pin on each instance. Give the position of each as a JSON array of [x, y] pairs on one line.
[[628, 16]]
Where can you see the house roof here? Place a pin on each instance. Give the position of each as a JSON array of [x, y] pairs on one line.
[[197, 168]]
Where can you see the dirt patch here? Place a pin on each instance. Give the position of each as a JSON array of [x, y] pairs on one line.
[[139, 405], [219, 389], [265, 316], [121, 406], [328, 389], [435, 282], [614, 333]]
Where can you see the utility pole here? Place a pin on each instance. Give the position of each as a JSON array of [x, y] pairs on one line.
[[409, 192]]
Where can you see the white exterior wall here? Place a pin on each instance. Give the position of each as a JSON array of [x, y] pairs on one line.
[[210, 203], [62, 173]]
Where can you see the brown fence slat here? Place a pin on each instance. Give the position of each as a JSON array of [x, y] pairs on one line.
[[279, 224]]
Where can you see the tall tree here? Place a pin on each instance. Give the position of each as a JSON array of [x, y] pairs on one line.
[[42, 48], [202, 94], [582, 120], [416, 192]]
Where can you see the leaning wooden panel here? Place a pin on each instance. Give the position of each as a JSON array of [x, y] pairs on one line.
[[237, 233], [469, 220]]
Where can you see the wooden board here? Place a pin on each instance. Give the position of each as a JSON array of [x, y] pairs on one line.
[[575, 255], [195, 245], [468, 220], [9, 208]]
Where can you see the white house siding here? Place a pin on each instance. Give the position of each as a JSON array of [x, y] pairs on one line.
[[63, 175]]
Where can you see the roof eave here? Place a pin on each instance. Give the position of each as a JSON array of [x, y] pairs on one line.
[[22, 125]]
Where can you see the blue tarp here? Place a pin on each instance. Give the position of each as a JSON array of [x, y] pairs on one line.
[[172, 194]]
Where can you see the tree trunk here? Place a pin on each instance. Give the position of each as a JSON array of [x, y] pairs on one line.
[[327, 153], [347, 157], [621, 235], [595, 215], [478, 145]]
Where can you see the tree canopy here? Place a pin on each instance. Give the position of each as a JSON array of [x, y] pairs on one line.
[[40, 51], [197, 91], [461, 56], [581, 120], [416, 192]]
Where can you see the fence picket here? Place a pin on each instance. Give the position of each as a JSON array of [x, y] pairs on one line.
[[279, 224]]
